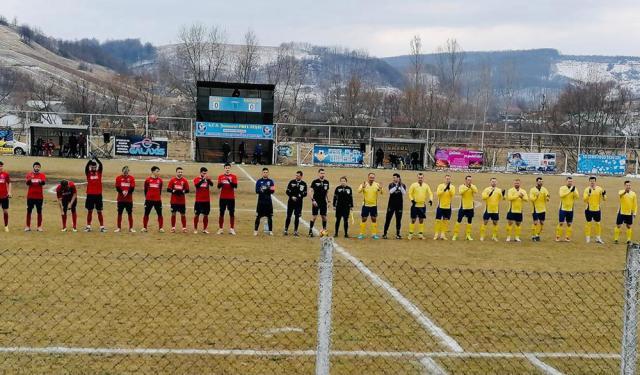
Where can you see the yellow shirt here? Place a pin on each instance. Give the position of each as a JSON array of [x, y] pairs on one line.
[[492, 200], [419, 193], [593, 198], [568, 198], [628, 203], [515, 201], [370, 193], [466, 193], [444, 197], [539, 199]]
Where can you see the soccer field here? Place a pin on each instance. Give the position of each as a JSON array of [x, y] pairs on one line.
[[163, 302]]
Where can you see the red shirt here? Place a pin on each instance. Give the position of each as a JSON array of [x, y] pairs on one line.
[[153, 189], [227, 185], [68, 193], [94, 183], [5, 180], [125, 183], [179, 187], [35, 182], [202, 189]]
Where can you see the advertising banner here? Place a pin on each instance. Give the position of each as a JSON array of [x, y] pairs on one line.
[[346, 156], [531, 162], [602, 164], [228, 130], [458, 158], [287, 154], [141, 146]]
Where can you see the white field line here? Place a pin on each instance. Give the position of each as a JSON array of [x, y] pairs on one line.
[[292, 353], [432, 367], [444, 339], [545, 368]]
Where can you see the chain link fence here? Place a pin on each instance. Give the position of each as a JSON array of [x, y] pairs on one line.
[[78, 311]]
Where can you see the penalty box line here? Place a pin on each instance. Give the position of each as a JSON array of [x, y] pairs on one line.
[[435, 330]]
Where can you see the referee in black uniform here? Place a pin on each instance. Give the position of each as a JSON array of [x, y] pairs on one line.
[[397, 190]]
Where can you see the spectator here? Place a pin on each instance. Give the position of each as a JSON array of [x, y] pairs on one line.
[[257, 154], [73, 146], [415, 160], [50, 146], [82, 145], [379, 158], [226, 150], [242, 152]]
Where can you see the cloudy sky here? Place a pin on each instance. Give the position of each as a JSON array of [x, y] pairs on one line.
[[382, 27]]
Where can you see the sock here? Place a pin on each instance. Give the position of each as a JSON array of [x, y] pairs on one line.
[[130, 222], [270, 223], [436, 227], [598, 229], [119, 220], [195, 221], [311, 224], [421, 228], [467, 230], [232, 221], [324, 224], [509, 229], [616, 233], [374, 228], [220, 222], [89, 217], [296, 223], [558, 231], [412, 227], [287, 222], [337, 227], [183, 221], [74, 219], [100, 218], [145, 221], [483, 230], [569, 231], [256, 224], [587, 229], [205, 222], [160, 222], [6, 219], [629, 234], [444, 226], [64, 220], [534, 230], [363, 228], [456, 229], [540, 226], [173, 221], [494, 230], [518, 230], [39, 219], [28, 220]]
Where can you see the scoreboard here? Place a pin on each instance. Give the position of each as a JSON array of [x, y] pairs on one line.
[[222, 103]]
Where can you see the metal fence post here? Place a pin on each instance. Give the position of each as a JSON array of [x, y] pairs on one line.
[[630, 315], [192, 149], [325, 295]]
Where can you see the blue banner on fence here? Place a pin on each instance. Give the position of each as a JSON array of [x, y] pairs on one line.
[[337, 155], [602, 164], [227, 130], [141, 146], [231, 104]]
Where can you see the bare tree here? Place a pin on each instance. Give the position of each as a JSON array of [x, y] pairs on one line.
[[147, 93], [450, 58], [416, 69], [287, 73], [8, 83], [247, 60], [120, 96], [81, 98]]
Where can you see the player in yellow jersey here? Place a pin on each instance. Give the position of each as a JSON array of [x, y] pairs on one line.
[[419, 194], [491, 197], [516, 197], [538, 196], [370, 191], [445, 192], [466, 191], [568, 198], [626, 212], [593, 196]]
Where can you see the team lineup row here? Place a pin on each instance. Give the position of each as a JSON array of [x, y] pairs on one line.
[[419, 194]]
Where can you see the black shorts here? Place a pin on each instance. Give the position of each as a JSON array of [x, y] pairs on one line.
[[4, 202], [514, 216], [624, 219], [264, 209], [493, 217], [539, 216], [150, 205], [592, 216], [93, 202], [468, 213], [128, 206], [565, 216], [321, 209], [369, 211], [178, 208], [227, 204], [66, 207], [294, 207], [443, 213], [202, 208], [418, 212], [37, 203]]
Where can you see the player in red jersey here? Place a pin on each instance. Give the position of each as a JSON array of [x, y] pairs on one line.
[[153, 198], [125, 185], [178, 186], [93, 171], [5, 194], [35, 197], [227, 183], [202, 206], [67, 200]]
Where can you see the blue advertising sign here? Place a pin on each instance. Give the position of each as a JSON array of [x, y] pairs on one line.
[[227, 130], [6, 135], [232, 104], [141, 146], [602, 164], [337, 155]]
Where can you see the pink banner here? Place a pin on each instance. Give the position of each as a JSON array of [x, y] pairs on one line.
[[458, 158]]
